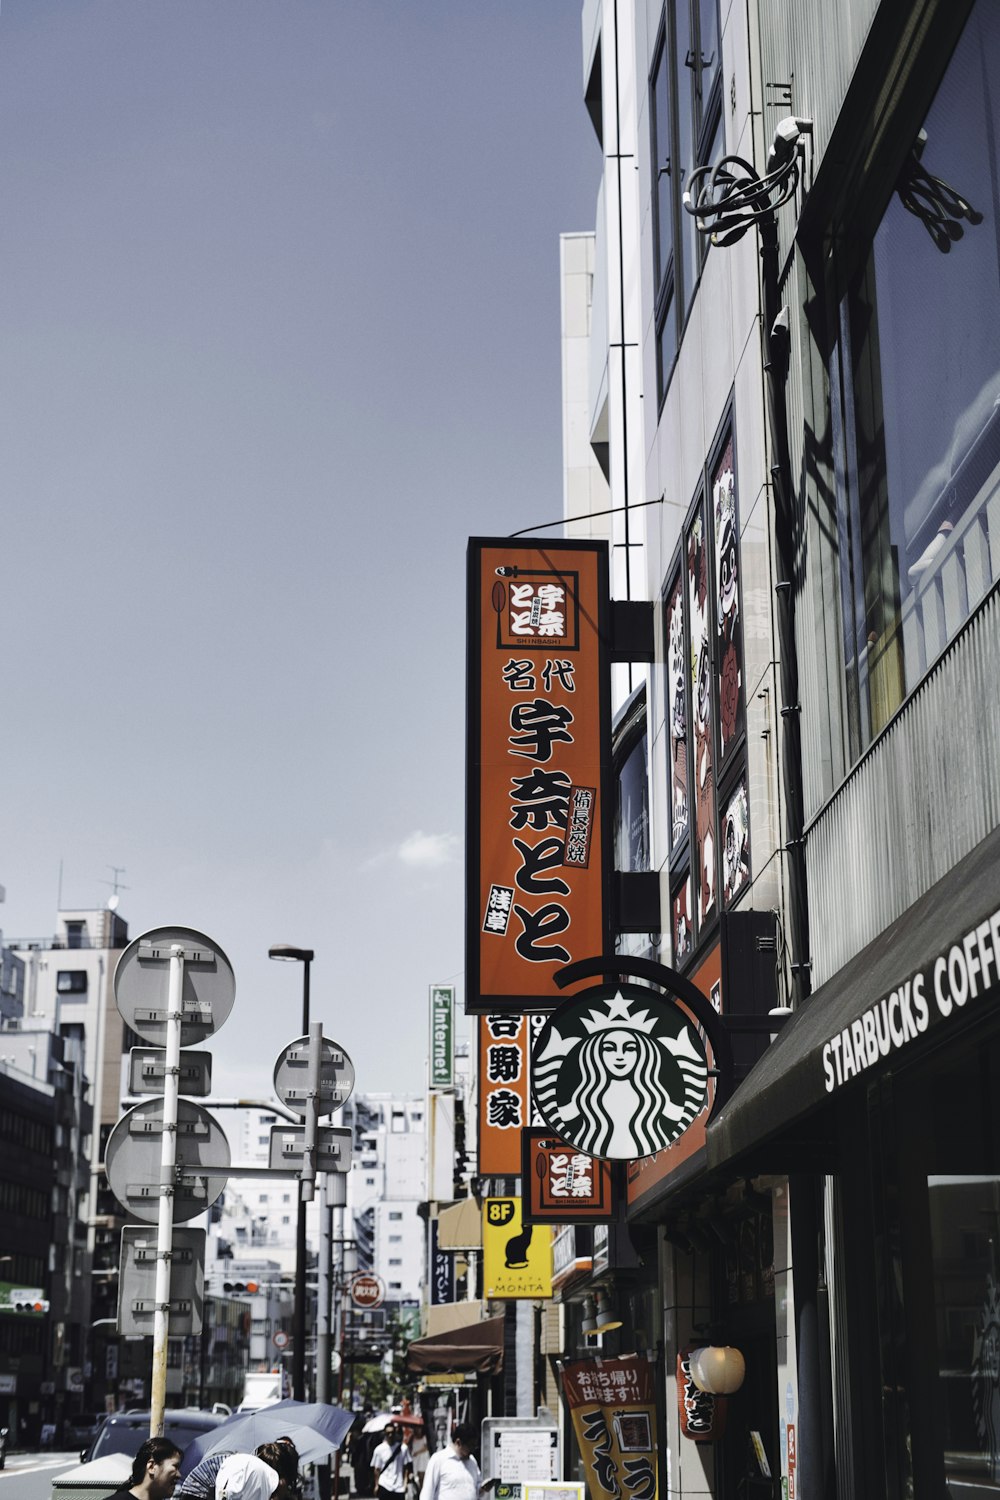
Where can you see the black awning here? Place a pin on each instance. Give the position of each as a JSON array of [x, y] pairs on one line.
[[476, 1346], [877, 1011]]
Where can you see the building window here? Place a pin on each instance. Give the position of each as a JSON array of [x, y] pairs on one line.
[[915, 397], [686, 127], [71, 981], [705, 705], [369, 1182], [395, 1216], [395, 1239], [76, 934], [395, 1261]]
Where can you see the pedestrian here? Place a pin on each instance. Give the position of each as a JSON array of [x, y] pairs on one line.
[[283, 1457], [155, 1471], [452, 1472], [244, 1476], [392, 1466]]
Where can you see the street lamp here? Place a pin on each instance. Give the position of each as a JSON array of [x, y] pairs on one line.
[[304, 956]]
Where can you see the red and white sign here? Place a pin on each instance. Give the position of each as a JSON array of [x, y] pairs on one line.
[[367, 1290], [280, 1339]]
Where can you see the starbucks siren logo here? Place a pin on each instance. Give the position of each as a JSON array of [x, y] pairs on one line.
[[619, 1072]]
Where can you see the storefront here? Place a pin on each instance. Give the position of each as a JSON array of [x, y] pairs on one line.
[[887, 1082]]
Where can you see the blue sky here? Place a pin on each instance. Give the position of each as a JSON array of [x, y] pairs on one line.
[[279, 330]]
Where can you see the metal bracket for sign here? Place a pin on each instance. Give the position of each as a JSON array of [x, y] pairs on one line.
[[143, 1306], [334, 1056], [332, 1097], [194, 1186], [193, 953], [191, 1010], [188, 1175], [190, 1128], [179, 1257]]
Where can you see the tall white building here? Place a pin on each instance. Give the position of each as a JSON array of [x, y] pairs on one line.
[[385, 1187]]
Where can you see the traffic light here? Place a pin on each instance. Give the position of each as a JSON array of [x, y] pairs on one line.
[[41, 1305], [241, 1286]]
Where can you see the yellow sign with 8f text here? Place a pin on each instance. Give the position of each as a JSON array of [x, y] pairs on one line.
[[517, 1258]]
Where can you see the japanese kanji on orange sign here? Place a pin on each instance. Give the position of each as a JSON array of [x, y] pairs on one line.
[[504, 1091], [538, 754], [613, 1408]]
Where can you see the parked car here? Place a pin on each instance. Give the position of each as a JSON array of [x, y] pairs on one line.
[[80, 1429], [125, 1431]]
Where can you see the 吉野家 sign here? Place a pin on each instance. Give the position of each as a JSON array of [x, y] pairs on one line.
[[538, 756], [504, 1090], [442, 1052], [619, 1071]]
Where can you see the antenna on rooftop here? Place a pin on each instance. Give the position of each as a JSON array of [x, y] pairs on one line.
[[116, 885]]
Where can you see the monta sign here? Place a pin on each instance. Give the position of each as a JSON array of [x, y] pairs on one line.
[[367, 1290]]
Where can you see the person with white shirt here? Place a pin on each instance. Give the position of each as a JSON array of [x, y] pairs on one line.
[[392, 1466], [452, 1472]]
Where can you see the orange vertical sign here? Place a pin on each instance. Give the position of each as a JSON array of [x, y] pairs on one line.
[[538, 750], [504, 1093]]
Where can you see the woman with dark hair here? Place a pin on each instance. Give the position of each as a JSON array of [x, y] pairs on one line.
[[155, 1471]]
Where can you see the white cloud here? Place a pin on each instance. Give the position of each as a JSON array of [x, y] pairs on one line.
[[428, 851]]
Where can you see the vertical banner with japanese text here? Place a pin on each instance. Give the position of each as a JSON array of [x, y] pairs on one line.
[[504, 1090], [612, 1405], [539, 730], [442, 1269]]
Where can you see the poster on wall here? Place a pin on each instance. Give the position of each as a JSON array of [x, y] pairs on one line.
[[704, 864], [538, 759], [612, 1406]]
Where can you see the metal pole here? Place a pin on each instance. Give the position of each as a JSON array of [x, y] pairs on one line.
[[339, 1286], [323, 1292], [306, 1188], [299, 1321], [168, 1164]]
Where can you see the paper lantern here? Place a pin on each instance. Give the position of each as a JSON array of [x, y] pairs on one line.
[[718, 1368]]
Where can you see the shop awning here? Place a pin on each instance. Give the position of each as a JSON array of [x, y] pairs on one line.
[[446, 1316], [478, 1347], [460, 1227], [872, 1014]]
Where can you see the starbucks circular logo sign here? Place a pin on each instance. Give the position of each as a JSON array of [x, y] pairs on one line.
[[619, 1071]]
